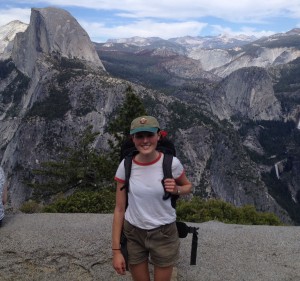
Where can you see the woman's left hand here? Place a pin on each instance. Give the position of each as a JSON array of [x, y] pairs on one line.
[[170, 186]]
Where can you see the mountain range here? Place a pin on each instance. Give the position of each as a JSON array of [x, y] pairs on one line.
[[231, 105]]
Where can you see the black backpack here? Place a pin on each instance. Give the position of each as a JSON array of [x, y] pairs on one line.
[[166, 146]]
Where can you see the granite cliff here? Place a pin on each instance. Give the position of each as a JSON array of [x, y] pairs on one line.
[[247, 93], [7, 35], [52, 31]]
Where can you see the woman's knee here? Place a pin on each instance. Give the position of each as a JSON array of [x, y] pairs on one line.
[[163, 273], [140, 271]]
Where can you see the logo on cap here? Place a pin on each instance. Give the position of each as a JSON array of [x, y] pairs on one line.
[[143, 120]]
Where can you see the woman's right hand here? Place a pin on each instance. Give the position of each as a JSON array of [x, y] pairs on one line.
[[119, 262]]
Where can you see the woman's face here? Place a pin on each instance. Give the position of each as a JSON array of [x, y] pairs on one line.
[[145, 142]]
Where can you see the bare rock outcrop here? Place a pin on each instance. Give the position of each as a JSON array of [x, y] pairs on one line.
[[7, 36], [77, 247], [52, 31], [247, 92]]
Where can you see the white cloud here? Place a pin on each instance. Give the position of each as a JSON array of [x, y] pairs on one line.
[[8, 15], [231, 10], [144, 28], [218, 29], [168, 18]]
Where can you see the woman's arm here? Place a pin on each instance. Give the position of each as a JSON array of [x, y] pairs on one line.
[[183, 185], [118, 220], [179, 186]]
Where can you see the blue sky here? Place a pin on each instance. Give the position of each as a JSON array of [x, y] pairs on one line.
[[108, 19]]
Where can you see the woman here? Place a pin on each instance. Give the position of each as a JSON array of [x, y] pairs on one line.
[[149, 221], [3, 194]]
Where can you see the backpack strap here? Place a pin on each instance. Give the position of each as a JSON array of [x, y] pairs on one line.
[[127, 166], [123, 239], [167, 166], [167, 170]]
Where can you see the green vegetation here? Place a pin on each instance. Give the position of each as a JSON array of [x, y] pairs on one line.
[[31, 207], [68, 68], [14, 92], [131, 108], [86, 103], [55, 106], [289, 78], [80, 168], [191, 116], [119, 127], [276, 137], [85, 202], [71, 63], [194, 210], [279, 190], [6, 67], [137, 67], [198, 210]]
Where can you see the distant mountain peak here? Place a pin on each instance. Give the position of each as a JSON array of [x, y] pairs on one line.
[[52, 30], [136, 40], [294, 31], [7, 35]]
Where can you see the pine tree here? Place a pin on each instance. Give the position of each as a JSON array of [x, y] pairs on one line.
[[120, 126], [81, 168]]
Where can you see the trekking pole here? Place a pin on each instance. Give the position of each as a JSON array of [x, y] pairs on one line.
[[194, 246]]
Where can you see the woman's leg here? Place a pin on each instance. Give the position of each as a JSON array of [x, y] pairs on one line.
[[140, 272], [163, 273]]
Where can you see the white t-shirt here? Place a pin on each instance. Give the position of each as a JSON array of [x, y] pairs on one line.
[[146, 207]]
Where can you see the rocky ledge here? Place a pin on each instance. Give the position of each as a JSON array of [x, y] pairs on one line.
[[63, 247]]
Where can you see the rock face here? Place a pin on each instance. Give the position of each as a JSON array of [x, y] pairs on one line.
[[264, 57], [247, 92], [77, 247], [7, 36], [52, 31]]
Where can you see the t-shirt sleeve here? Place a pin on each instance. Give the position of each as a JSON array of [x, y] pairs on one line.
[[120, 174], [177, 168]]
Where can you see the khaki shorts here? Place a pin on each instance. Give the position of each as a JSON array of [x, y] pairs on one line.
[[161, 244]]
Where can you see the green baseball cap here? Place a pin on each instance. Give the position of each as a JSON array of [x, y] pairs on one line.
[[144, 124]]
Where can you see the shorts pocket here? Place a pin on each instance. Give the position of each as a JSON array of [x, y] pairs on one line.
[[128, 228], [168, 230]]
